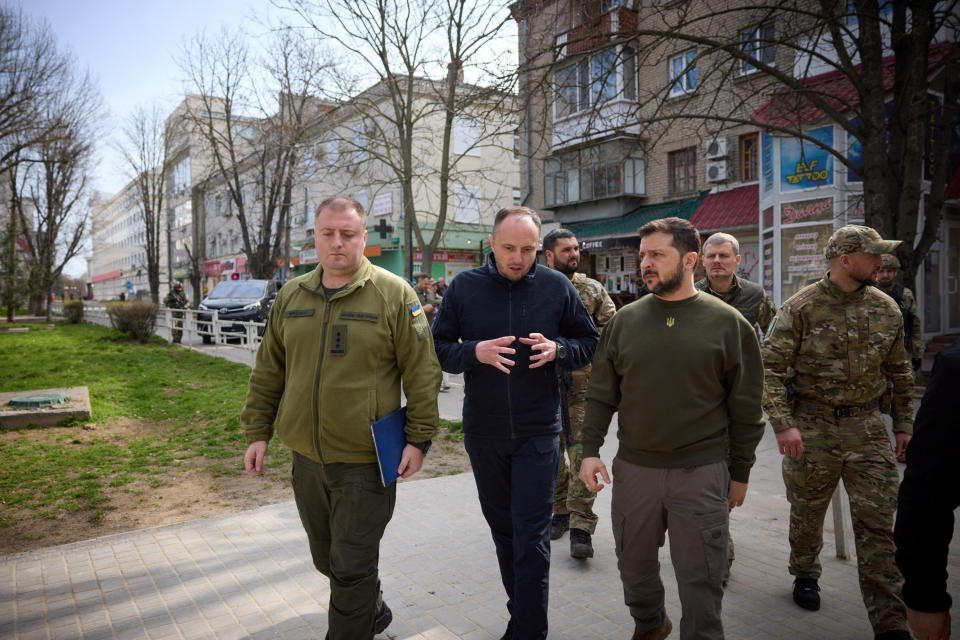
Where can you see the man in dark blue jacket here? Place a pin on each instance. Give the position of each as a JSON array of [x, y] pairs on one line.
[[507, 326]]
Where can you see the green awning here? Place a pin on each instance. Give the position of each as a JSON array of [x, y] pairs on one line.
[[629, 222]]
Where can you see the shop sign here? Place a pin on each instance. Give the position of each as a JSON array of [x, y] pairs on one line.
[[807, 210], [446, 256], [212, 268], [804, 164]]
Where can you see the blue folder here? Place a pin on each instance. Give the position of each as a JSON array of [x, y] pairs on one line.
[[389, 439]]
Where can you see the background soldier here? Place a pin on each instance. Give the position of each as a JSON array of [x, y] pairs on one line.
[[176, 299], [886, 282], [721, 257], [429, 299], [837, 341], [572, 501]]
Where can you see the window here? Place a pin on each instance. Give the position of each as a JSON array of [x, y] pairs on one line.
[[758, 43], [683, 170], [517, 144], [594, 80], [588, 11], [749, 148], [181, 215], [359, 143], [331, 151], [852, 17], [466, 134], [683, 73], [466, 202], [606, 170], [361, 197], [181, 176]]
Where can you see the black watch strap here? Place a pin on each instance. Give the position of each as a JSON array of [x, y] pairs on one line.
[[423, 446]]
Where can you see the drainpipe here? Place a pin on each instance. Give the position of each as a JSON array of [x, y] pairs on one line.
[[528, 134]]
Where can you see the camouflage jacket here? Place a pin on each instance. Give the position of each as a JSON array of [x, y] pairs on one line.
[[748, 298], [176, 300], [595, 298], [836, 348], [429, 297], [914, 343]]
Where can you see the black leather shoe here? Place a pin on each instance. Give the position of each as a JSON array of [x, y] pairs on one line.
[[383, 619], [559, 525], [806, 593], [581, 545]]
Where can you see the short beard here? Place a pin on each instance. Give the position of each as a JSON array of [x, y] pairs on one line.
[[564, 268], [671, 284]]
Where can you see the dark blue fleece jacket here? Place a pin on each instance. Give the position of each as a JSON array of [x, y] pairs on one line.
[[481, 304]]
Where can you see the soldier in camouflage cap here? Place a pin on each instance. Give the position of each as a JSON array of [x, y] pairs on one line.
[[886, 282], [827, 359], [572, 501]]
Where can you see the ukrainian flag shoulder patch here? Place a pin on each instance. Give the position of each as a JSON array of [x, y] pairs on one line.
[[416, 311]]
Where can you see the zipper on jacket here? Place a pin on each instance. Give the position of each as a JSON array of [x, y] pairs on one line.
[[316, 387], [509, 331]]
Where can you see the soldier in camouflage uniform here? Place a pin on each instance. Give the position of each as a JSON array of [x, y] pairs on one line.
[[572, 501], [429, 299], [886, 282], [176, 299], [721, 257], [835, 343]]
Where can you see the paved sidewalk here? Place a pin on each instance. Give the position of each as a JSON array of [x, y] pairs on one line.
[[248, 575]]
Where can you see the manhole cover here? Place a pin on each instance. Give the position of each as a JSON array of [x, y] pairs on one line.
[[34, 400]]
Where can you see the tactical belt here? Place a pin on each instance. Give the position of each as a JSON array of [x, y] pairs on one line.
[[836, 410]]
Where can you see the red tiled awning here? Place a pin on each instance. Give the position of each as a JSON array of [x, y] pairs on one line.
[[791, 108], [728, 209], [116, 273]]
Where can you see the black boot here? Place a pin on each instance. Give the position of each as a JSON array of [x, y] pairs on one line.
[[383, 618], [559, 525], [806, 593], [581, 545]]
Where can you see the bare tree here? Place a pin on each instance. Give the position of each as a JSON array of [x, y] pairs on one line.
[[145, 154], [417, 53], [252, 116], [53, 180], [31, 69], [869, 66]]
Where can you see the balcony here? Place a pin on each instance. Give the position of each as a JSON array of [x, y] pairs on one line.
[[611, 169], [596, 31]]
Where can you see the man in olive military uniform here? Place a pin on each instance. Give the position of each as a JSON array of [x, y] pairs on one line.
[[176, 299], [886, 282], [721, 257], [341, 341], [836, 342], [572, 501], [429, 299]]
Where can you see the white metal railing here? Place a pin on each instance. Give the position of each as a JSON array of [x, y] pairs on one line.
[[215, 330]]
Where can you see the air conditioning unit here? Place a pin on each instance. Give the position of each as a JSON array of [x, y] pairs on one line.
[[717, 148], [716, 171]]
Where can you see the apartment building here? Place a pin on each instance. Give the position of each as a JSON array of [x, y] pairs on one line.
[[356, 152], [118, 262], [616, 136]]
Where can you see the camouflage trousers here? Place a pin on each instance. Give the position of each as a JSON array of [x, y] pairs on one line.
[[571, 496], [858, 450]]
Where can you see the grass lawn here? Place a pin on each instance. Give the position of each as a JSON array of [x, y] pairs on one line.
[[186, 405], [193, 399]]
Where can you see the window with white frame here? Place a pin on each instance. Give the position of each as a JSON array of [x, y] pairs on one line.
[[466, 135], [181, 214], [517, 144], [594, 80], [181, 175], [360, 142], [683, 73], [331, 151], [361, 197], [466, 202], [606, 170], [758, 43]]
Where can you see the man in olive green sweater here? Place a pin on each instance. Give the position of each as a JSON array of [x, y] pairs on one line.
[[684, 371], [340, 342]]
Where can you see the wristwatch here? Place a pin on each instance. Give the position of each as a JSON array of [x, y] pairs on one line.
[[423, 446], [561, 351]]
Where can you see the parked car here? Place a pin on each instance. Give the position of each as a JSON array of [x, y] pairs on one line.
[[237, 300]]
